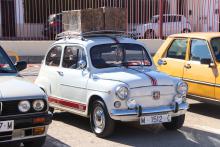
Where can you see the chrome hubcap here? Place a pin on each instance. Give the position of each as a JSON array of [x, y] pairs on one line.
[[99, 119]]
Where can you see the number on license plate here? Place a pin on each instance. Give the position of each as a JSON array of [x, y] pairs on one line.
[[6, 126], [155, 119]]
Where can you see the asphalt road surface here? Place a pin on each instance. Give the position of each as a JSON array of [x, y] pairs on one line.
[[201, 128]]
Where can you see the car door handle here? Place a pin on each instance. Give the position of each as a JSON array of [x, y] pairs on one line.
[[187, 66], [60, 73]]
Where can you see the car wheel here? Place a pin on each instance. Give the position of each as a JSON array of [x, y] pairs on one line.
[[149, 34], [186, 31], [176, 123], [101, 123], [36, 143]]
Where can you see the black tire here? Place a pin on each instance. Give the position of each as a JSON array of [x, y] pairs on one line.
[[186, 31], [176, 123], [149, 34], [51, 109], [109, 125], [36, 143]]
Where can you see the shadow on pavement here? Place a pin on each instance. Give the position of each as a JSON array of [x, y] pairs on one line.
[[205, 109], [155, 135], [53, 142], [77, 121]]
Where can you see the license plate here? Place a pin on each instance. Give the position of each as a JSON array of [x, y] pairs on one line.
[[6, 126], [155, 119]]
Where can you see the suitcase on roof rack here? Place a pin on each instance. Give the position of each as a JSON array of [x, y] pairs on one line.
[[88, 20]]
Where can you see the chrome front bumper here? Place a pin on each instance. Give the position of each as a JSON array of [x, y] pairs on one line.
[[134, 114]]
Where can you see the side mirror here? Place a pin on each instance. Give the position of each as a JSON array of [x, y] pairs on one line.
[[206, 61], [161, 62], [21, 65], [82, 64]]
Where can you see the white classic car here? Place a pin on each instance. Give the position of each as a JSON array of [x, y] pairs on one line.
[[24, 116], [109, 77]]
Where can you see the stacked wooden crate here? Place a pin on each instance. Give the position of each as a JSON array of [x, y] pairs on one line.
[[88, 20]]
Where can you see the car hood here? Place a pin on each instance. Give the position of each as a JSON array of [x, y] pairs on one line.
[[137, 78], [15, 88]]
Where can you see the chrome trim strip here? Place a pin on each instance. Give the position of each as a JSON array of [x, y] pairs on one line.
[[204, 99], [161, 109], [28, 137], [82, 88], [201, 82], [152, 86], [0, 108], [23, 114]]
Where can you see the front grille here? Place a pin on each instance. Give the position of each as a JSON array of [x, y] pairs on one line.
[[11, 108], [5, 136]]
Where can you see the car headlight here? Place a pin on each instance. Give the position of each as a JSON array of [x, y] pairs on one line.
[[38, 105], [24, 106], [182, 88], [122, 92]]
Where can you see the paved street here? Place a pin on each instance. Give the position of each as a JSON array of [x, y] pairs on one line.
[[201, 128]]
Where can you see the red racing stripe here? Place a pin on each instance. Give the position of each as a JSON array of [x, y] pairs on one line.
[[67, 103], [153, 80]]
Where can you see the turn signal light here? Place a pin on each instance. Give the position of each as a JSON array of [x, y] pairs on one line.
[[38, 131], [38, 120]]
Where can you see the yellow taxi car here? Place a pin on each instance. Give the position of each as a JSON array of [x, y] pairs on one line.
[[194, 57]]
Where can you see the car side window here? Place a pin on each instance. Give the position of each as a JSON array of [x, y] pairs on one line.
[[199, 50], [54, 56], [177, 49], [72, 55]]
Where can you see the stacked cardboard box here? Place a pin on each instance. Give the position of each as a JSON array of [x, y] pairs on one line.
[[87, 20]]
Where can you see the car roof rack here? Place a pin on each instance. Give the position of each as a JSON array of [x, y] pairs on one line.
[[82, 36]]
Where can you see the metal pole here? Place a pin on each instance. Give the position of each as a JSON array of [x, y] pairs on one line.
[[161, 19]]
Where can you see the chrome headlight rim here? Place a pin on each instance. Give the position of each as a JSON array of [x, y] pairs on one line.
[[22, 105], [179, 85], [119, 90], [35, 105]]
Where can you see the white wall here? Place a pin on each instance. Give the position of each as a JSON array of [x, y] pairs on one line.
[[39, 48], [152, 44], [26, 29], [27, 48]]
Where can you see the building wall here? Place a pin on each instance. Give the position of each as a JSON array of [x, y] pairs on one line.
[[173, 6], [205, 18], [39, 48], [26, 29]]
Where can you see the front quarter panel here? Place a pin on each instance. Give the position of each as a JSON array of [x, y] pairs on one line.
[[44, 83], [105, 89]]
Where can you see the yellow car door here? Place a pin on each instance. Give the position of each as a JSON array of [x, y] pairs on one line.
[[215, 44], [172, 60], [198, 72], [217, 88]]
